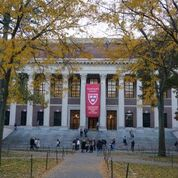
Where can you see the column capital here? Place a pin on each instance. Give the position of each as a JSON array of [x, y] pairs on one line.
[[103, 76], [31, 76], [65, 75], [65, 78], [83, 76], [47, 75]]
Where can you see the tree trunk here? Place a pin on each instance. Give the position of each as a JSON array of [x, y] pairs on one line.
[[162, 146], [4, 82], [5, 92]]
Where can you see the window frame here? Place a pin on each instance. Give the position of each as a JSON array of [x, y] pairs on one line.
[[74, 85], [112, 88], [56, 86]]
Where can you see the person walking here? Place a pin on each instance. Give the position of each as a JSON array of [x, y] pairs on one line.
[[125, 141], [132, 145], [58, 143], [85, 132], [81, 132]]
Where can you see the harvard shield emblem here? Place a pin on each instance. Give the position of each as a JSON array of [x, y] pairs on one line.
[[92, 98]]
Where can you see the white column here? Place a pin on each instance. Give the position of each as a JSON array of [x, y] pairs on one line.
[[12, 114], [174, 108], [156, 117], [30, 103], [102, 121], [47, 100], [82, 102], [139, 105], [65, 101], [121, 114]]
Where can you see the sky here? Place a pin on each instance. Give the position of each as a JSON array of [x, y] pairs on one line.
[[100, 30]]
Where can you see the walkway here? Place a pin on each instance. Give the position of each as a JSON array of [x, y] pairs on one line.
[[78, 165]]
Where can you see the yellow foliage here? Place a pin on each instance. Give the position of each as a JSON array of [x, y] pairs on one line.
[[34, 29]]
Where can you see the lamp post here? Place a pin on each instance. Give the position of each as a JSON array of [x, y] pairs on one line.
[[176, 113]]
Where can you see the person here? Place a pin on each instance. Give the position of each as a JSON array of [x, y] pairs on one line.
[[176, 145], [112, 144], [81, 132], [97, 126], [15, 126], [125, 141], [85, 132], [32, 143], [74, 142], [38, 143], [58, 143], [78, 144], [131, 134], [83, 145], [132, 145]]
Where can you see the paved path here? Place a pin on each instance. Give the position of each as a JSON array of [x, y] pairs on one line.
[[78, 165]]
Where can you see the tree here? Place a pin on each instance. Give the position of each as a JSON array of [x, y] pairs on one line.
[[148, 30], [28, 27]]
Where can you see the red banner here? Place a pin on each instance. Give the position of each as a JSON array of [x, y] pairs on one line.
[[92, 100]]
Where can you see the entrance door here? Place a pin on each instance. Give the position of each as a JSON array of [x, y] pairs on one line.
[[92, 123], [57, 118], [146, 119], [40, 116], [74, 119], [23, 118]]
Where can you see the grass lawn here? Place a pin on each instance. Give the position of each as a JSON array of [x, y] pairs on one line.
[[144, 171], [147, 156], [18, 165]]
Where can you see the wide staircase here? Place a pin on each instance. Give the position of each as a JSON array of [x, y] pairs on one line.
[[145, 138]]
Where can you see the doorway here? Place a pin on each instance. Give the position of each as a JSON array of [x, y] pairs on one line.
[[23, 118], [92, 121], [40, 118], [111, 120], [74, 119], [146, 119]]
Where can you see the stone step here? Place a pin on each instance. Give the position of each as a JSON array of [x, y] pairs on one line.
[[146, 138]]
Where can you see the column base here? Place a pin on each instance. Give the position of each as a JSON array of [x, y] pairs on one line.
[[82, 127], [120, 127], [102, 128], [64, 128]]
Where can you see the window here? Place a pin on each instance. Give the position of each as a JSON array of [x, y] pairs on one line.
[[39, 84], [129, 87], [111, 120], [23, 118], [166, 94], [111, 88], [57, 118], [56, 86], [93, 81], [7, 118], [146, 119], [74, 86], [129, 119]]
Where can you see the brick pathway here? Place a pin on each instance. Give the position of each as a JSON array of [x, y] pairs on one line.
[[78, 165]]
